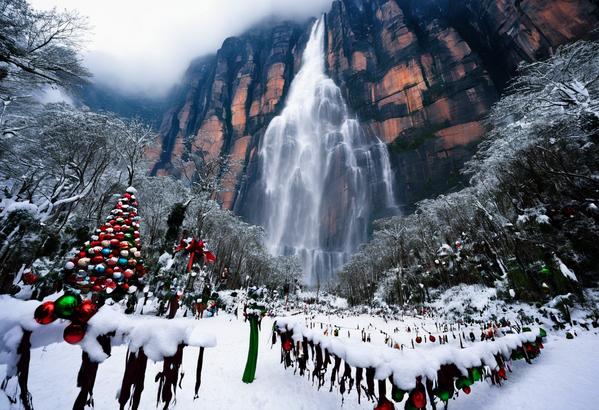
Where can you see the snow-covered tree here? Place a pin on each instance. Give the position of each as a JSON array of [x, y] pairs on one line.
[[37, 49], [532, 199]]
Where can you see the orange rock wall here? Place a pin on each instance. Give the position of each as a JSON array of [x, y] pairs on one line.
[[420, 75]]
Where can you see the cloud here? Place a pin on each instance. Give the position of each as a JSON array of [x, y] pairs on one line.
[[145, 46]]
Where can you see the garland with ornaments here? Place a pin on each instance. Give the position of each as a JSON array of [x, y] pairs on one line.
[[424, 376], [107, 266]]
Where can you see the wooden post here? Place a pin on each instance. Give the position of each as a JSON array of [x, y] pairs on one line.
[[135, 372], [168, 377], [23, 369], [87, 376], [199, 373]]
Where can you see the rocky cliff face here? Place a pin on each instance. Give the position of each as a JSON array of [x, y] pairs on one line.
[[226, 101], [422, 74], [419, 74]]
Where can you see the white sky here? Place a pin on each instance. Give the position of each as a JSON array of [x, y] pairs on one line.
[[146, 45]]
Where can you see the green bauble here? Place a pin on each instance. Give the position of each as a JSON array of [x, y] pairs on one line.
[[516, 355], [397, 394], [464, 382], [65, 306], [443, 394], [542, 332], [477, 374]]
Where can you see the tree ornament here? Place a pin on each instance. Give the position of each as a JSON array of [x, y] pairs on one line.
[[86, 310], [74, 332], [418, 395], [45, 314], [476, 373], [29, 278], [397, 394], [65, 306]]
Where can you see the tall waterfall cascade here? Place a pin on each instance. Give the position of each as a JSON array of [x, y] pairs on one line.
[[323, 180]]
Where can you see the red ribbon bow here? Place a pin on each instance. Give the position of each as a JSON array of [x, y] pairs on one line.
[[195, 249]]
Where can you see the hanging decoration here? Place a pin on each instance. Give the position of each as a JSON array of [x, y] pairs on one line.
[[196, 249], [435, 379]]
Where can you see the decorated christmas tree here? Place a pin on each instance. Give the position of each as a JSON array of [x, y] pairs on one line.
[[109, 266]]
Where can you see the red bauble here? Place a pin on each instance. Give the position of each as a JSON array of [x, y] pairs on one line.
[[418, 396], [418, 339], [467, 389], [86, 309], [44, 313], [29, 278], [74, 332], [501, 373], [288, 346], [432, 338]]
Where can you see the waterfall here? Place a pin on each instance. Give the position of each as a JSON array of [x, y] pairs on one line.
[[321, 177]]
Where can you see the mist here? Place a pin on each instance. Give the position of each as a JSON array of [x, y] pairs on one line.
[[145, 46]]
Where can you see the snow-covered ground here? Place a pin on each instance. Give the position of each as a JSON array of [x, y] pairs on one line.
[[564, 376]]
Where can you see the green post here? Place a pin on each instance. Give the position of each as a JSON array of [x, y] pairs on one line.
[[250, 366]]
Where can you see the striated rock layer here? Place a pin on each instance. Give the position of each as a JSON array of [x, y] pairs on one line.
[[418, 74]]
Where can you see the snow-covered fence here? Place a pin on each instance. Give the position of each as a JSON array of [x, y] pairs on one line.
[[438, 371], [147, 338]]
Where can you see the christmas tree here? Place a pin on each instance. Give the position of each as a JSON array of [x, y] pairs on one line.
[[109, 266]]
